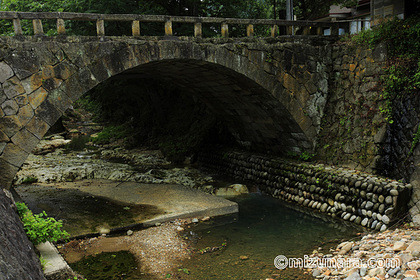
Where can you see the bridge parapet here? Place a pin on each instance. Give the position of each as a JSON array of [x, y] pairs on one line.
[[136, 19]]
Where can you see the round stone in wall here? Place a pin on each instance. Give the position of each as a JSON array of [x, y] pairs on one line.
[[364, 221], [393, 192], [369, 205], [385, 219]]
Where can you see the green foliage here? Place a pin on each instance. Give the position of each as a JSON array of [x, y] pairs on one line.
[[110, 134], [185, 270], [401, 37], [305, 156], [402, 41], [402, 79], [38, 227], [416, 139], [43, 262], [30, 180]]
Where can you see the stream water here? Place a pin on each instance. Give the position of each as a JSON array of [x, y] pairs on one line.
[[248, 243], [265, 227]]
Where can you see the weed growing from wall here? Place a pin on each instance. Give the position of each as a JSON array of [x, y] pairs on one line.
[[38, 227]]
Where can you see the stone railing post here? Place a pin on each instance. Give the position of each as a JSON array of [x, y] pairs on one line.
[[198, 31], [277, 27], [17, 26], [250, 30], [168, 28], [61, 27], [135, 27], [225, 30], [274, 31], [100, 28], [37, 24], [319, 31]]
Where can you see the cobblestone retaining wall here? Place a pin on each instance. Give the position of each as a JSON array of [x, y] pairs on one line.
[[364, 199], [17, 255]]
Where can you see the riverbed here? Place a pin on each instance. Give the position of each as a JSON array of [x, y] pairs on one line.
[[241, 246]]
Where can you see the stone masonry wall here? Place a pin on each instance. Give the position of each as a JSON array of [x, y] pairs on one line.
[[360, 198], [353, 127], [17, 255]]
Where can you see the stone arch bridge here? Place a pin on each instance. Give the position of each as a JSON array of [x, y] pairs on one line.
[[270, 92]]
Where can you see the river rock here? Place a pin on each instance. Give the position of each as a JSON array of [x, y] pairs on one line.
[[414, 247], [232, 190], [394, 271], [376, 271], [399, 246], [345, 247], [364, 221], [316, 273], [354, 276], [411, 273], [414, 265], [363, 271]]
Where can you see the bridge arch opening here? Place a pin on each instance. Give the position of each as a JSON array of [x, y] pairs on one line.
[[255, 118]]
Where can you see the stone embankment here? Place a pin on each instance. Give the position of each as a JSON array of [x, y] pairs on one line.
[[363, 199], [392, 254]]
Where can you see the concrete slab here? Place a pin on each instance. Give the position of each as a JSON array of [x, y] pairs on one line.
[[55, 266], [176, 201]]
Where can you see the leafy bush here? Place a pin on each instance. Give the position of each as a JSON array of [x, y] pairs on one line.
[[38, 227], [401, 37]]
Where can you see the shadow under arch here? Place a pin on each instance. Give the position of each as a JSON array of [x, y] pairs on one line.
[[255, 118]]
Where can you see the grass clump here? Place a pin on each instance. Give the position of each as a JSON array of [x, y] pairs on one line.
[[110, 134]]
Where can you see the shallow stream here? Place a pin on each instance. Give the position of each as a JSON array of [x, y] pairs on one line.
[[265, 227], [247, 243]]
